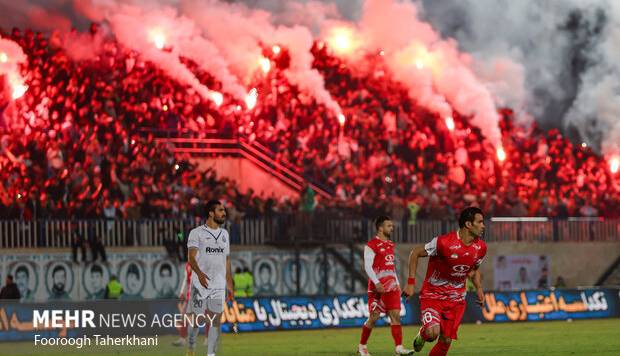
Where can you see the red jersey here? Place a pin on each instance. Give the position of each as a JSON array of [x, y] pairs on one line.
[[450, 262], [383, 264]]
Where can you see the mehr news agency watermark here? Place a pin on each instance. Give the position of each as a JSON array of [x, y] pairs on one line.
[[67, 320]]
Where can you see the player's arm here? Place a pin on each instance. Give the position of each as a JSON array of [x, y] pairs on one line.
[[476, 279], [193, 251], [416, 253], [183, 285], [230, 285], [369, 258]]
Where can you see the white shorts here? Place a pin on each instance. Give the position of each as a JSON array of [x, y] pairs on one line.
[[198, 304]]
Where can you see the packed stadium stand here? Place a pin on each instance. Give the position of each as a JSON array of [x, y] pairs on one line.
[[89, 146]]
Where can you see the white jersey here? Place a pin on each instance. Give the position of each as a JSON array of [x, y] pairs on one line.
[[213, 247]]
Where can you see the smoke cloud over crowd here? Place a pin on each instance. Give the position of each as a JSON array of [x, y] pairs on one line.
[[554, 62]]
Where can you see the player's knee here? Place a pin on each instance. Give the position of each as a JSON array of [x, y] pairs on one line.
[[444, 339], [395, 318], [372, 319], [432, 333]]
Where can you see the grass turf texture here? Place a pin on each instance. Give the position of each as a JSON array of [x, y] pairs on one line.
[[586, 337]]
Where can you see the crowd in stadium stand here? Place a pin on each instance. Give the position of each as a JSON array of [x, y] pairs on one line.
[[78, 144]]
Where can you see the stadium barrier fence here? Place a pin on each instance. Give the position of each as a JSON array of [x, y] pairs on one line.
[[157, 317], [288, 229]]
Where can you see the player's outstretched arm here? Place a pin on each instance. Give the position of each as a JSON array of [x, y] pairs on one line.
[[416, 252], [193, 251]]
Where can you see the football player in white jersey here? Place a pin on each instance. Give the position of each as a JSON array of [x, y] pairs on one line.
[[211, 281]]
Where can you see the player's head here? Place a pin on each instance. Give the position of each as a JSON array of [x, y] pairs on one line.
[[472, 220], [216, 211], [59, 277], [384, 225], [133, 279], [96, 277], [21, 278]]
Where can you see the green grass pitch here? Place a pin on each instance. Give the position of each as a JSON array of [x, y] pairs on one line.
[[586, 337]]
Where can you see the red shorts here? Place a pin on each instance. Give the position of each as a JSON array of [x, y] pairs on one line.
[[445, 313], [383, 302]]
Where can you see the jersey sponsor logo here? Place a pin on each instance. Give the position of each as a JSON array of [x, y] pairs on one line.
[[214, 250], [460, 270]]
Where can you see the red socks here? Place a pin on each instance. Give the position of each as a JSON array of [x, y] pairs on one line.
[[440, 349], [365, 335], [397, 334]]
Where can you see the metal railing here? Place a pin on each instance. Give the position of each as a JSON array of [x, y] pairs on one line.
[[289, 229], [254, 152]]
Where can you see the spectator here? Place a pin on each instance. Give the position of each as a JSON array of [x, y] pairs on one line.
[[86, 147], [113, 290], [78, 242], [10, 290], [560, 283], [97, 249]]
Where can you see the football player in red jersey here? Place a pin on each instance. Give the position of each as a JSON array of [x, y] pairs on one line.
[[383, 288], [453, 258]]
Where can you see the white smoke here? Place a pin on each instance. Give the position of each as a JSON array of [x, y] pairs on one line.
[[11, 57], [240, 32], [559, 58]]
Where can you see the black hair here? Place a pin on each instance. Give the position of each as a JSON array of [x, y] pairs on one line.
[[96, 269], [22, 269], [165, 266], [133, 269], [58, 269], [10, 277], [469, 214], [211, 205], [380, 220]]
